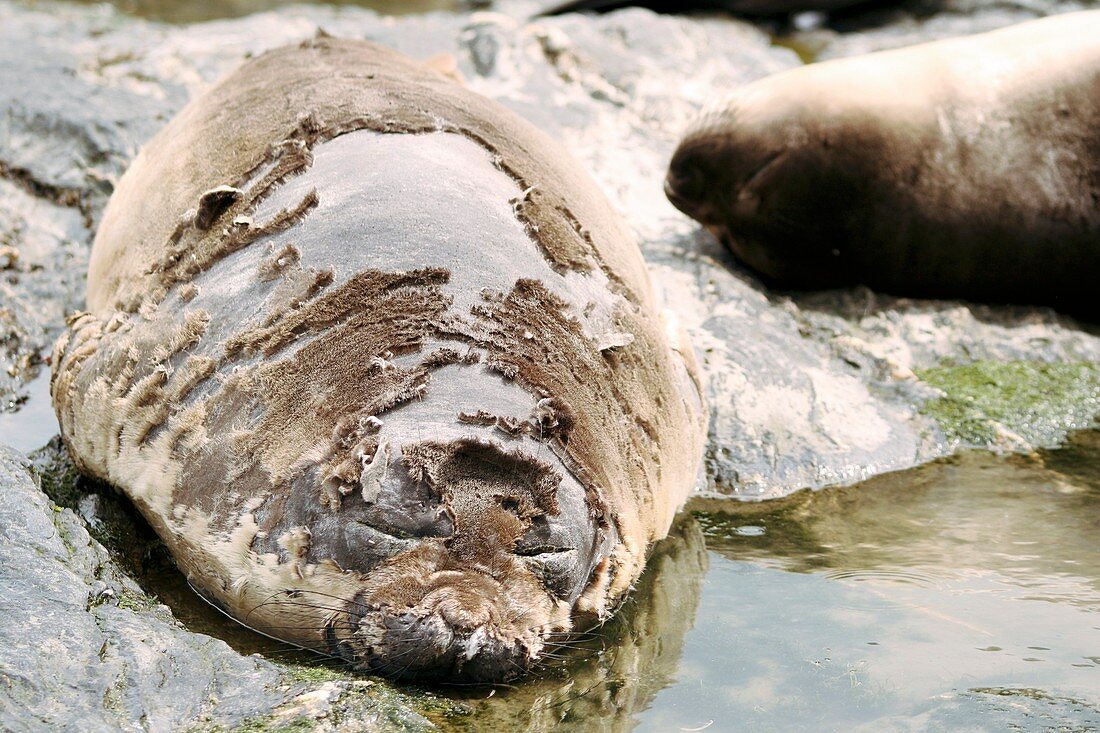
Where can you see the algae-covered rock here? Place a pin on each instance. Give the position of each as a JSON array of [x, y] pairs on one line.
[[1017, 405]]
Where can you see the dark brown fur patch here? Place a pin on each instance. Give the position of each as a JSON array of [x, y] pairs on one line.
[[494, 494], [213, 204], [363, 292]]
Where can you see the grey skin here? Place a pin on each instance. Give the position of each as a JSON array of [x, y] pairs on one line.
[[367, 176], [966, 168]]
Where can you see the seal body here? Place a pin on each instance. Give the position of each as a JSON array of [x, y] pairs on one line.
[[381, 366], [965, 168]]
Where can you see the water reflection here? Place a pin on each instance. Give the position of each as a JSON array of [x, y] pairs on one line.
[[961, 594], [30, 425], [1031, 521], [613, 679]]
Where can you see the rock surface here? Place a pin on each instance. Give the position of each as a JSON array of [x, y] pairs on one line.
[[806, 390], [81, 646]]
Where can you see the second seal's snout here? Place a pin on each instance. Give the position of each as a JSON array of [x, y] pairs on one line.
[[685, 184]]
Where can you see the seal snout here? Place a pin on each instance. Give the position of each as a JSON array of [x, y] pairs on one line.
[[684, 186], [463, 629], [686, 183]]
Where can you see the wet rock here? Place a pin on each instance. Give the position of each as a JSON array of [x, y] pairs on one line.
[[84, 647], [43, 248]]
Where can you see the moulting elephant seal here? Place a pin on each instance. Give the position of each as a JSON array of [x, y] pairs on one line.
[[382, 367], [965, 168]]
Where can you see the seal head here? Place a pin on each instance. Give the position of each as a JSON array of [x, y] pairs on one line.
[[754, 174]]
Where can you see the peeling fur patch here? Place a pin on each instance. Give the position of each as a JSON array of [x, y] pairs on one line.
[[213, 204], [188, 292], [493, 493], [188, 254], [373, 289], [481, 417], [275, 264]]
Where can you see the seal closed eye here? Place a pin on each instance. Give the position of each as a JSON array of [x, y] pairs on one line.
[[381, 366]]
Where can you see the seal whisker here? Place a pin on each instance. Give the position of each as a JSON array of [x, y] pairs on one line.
[[300, 604], [261, 604], [570, 698], [328, 595]]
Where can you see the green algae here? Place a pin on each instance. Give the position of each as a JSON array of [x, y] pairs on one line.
[[57, 476], [985, 402], [132, 600], [269, 724], [264, 724], [807, 52], [314, 674]]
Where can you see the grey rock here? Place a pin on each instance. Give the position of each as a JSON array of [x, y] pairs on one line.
[[43, 248], [83, 648]]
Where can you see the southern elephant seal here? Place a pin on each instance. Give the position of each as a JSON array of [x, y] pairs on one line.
[[382, 367], [965, 168]]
